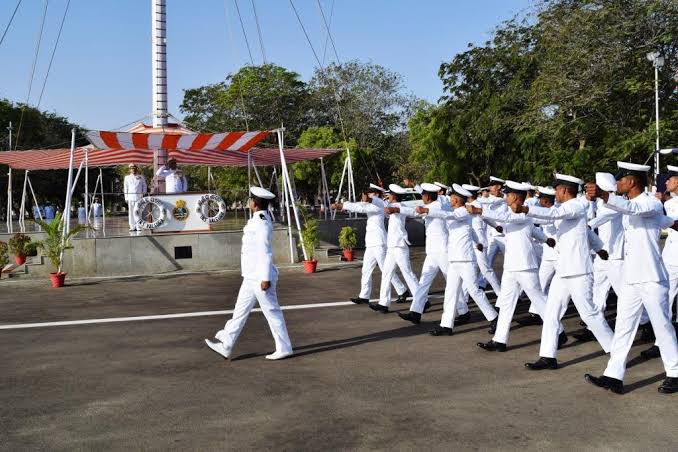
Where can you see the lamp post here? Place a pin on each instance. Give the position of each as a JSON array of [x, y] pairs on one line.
[[657, 61]]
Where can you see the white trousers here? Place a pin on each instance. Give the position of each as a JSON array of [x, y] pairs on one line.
[[606, 274], [487, 271], [579, 289], [374, 256], [251, 293], [396, 256], [512, 284], [432, 264], [546, 271], [130, 214], [653, 296], [497, 243], [463, 274], [673, 286]]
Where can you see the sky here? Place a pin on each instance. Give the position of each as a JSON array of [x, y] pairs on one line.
[[101, 74]]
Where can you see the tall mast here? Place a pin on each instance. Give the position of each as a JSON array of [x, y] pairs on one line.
[[159, 73]]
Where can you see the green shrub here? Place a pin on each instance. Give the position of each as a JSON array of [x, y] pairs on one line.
[[348, 238]]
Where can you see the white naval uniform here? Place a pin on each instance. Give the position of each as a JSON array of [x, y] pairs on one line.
[[375, 244], [397, 254], [607, 273], [134, 187], [486, 271], [461, 272], [549, 256], [670, 252], [173, 182], [645, 284], [256, 263], [495, 239], [520, 268], [573, 278]]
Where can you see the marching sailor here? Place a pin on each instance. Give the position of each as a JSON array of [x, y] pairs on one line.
[[461, 271], [547, 267], [397, 251], [645, 278], [531, 199], [573, 278], [259, 283], [670, 252], [134, 188], [443, 197], [375, 242]]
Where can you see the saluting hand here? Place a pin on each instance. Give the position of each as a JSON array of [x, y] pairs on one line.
[[551, 242], [265, 285]]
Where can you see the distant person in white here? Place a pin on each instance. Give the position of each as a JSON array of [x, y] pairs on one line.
[[175, 181], [134, 189], [97, 208]]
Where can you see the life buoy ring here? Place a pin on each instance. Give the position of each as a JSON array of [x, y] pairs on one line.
[[204, 201], [141, 206]]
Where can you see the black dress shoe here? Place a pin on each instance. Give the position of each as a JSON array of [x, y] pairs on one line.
[[669, 386], [379, 308], [427, 306], [562, 339], [493, 326], [411, 316], [647, 333], [403, 297], [584, 336], [492, 346], [463, 319], [360, 300], [650, 353], [543, 363], [611, 384], [441, 331], [582, 323], [532, 319]]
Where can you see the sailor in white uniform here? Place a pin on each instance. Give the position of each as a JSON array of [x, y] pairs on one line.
[[574, 273], [495, 236], [547, 267], [443, 197], [134, 187], [461, 270], [531, 199], [645, 278], [397, 251], [175, 181], [375, 242], [670, 252], [260, 278]]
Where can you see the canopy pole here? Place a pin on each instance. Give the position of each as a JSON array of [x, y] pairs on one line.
[[103, 205], [256, 173], [209, 176], [341, 185], [22, 210], [289, 221], [67, 209], [35, 199], [86, 185], [326, 194], [249, 179], [9, 201], [286, 179]]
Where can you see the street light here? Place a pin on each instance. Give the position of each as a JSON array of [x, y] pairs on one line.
[[657, 61]]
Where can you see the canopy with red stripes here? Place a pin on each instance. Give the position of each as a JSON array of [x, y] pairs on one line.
[[171, 140]]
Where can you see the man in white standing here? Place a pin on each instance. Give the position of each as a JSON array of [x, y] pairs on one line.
[[260, 280], [645, 278], [175, 181], [134, 189]]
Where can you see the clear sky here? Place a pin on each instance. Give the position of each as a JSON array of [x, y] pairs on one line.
[[101, 78]]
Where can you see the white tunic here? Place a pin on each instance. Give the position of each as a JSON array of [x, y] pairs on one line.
[[519, 230], [134, 187], [256, 254], [436, 229], [670, 252], [375, 231], [173, 182], [397, 234], [610, 229], [460, 238]]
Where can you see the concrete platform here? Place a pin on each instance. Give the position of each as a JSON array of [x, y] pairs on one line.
[[359, 381]]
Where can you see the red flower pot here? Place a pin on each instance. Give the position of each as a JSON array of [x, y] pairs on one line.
[[57, 279], [348, 255], [309, 266], [20, 260]]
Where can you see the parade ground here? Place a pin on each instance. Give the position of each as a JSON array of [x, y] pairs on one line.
[[137, 375]]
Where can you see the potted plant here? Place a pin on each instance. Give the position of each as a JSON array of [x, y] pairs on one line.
[[21, 246], [54, 245], [4, 258], [310, 240], [348, 239]]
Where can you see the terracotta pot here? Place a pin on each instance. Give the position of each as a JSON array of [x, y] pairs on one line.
[[57, 279], [348, 255], [309, 266], [20, 260]]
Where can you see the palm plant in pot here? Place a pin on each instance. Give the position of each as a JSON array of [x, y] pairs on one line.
[[348, 239], [309, 239], [54, 245], [4, 258], [21, 246]]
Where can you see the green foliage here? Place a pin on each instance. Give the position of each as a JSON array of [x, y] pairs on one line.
[[4, 257], [21, 245], [309, 232], [348, 238], [56, 241]]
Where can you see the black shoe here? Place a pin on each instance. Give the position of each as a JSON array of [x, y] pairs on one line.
[[647, 333], [441, 331], [379, 308], [463, 319], [611, 384], [562, 339], [532, 319], [669, 386], [492, 346], [403, 297], [360, 300], [493, 325], [584, 336], [650, 353], [582, 323], [427, 306], [543, 363], [411, 316]]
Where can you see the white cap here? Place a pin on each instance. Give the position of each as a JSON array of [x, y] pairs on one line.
[[377, 187], [417, 189], [397, 189], [570, 179], [441, 185], [673, 170], [532, 187], [431, 188], [133, 165], [496, 179], [470, 187], [549, 191], [633, 167], [606, 181], [460, 191], [261, 193], [517, 186]]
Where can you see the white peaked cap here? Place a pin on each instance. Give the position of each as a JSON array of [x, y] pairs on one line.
[[431, 188], [470, 187], [397, 189], [606, 181], [633, 167], [549, 191], [673, 170], [441, 185], [532, 187], [261, 193], [459, 190], [518, 186], [377, 187], [570, 179], [496, 179], [418, 189]]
